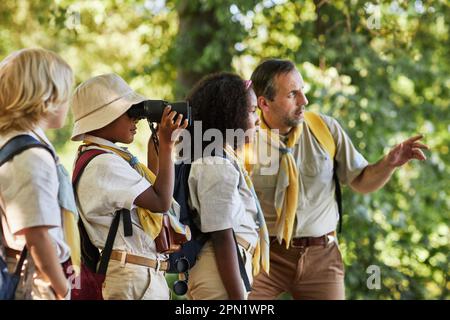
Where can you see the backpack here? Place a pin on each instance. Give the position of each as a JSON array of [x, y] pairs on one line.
[[92, 277], [181, 261], [190, 249], [15, 146]]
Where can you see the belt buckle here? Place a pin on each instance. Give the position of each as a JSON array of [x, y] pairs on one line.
[[158, 265], [330, 239], [123, 259], [295, 246]]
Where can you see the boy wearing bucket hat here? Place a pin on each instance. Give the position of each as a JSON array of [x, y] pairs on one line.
[[115, 180]]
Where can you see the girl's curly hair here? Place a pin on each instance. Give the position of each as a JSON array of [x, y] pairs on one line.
[[33, 83], [220, 101]]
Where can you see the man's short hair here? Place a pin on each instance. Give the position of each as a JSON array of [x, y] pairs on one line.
[[264, 75]]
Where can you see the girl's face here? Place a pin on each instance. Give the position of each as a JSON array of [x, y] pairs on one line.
[[252, 116], [121, 130]]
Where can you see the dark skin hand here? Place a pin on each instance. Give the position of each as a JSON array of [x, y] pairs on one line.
[[158, 197], [227, 262]]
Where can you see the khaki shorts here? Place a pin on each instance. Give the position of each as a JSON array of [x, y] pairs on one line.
[[204, 278], [316, 272], [134, 282]]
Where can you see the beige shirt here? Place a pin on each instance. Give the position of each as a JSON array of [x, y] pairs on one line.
[[29, 195], [108, 184], [221, 197], [317, 212]]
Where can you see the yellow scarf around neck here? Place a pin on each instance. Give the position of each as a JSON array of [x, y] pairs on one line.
[[286, 208]]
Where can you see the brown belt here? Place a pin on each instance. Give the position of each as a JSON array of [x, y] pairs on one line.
[[141, 261], [304, 242], [246, 245]]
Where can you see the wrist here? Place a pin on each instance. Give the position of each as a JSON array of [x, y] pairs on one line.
[[168, 147], [64, 296], [388, 163]]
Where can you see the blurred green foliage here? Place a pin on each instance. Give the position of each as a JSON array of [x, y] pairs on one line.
[[381, 68]]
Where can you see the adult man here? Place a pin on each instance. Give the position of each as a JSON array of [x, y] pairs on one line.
[[299, 199]]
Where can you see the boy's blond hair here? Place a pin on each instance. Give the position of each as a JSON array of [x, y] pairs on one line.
[[33, 83]]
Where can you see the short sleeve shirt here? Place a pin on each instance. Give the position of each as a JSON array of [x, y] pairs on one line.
[[222, 199], [317, 212], [29, 195]]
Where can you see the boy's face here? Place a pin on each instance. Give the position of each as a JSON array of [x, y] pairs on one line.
[[121, 130]]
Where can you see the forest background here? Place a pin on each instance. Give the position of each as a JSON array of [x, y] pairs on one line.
[[381, 68]]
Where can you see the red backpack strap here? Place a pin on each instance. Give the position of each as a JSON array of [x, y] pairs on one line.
[[83, 159]]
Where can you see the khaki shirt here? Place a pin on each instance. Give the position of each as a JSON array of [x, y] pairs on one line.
[[220, 195], [317, 212], [29, 195]]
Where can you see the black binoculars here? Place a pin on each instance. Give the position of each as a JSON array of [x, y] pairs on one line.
[[180, 286], [152, 110]]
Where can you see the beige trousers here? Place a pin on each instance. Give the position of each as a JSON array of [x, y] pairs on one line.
[[134, 282], [204, 278], [313, 273]]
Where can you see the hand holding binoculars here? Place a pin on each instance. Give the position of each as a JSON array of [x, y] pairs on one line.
[[152, 110]]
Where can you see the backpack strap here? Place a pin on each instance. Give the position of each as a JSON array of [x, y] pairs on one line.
[[18, 144], [107, 250], [322, 133], [23, 253], [23, 256], [83, 159], [241, 263]]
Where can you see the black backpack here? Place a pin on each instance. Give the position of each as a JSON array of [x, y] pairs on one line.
[[181, 261], [189, 250]]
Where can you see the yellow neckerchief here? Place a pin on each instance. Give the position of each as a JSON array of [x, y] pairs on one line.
[[286, 208], [151, 221], [72, 237], [261, 257]]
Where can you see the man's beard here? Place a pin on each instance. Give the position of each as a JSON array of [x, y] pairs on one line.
[[293, 120]]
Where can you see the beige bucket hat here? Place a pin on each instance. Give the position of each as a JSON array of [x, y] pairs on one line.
[[99, 101]]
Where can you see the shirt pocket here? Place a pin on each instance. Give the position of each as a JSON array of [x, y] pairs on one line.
[[318, 167], [317, 176]]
